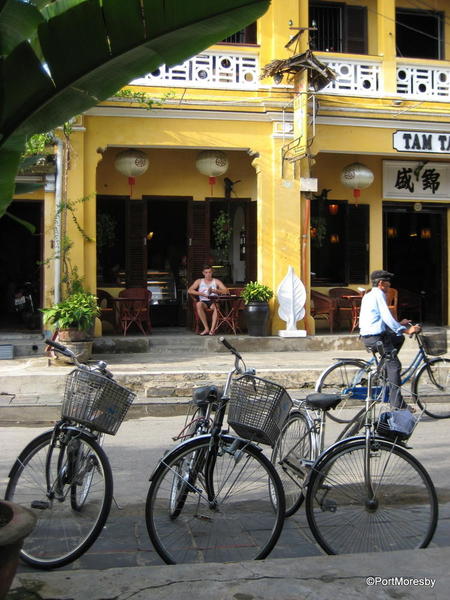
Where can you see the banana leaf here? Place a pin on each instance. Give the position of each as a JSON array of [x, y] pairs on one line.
[[91, 50]]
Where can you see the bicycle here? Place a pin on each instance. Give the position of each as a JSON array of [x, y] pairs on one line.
[[216, 496], [429, 377], [364, 493], [64, 475]]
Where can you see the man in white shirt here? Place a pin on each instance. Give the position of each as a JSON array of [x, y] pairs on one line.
[[376, 324]]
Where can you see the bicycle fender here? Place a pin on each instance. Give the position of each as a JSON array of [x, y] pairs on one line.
[[193, 441]]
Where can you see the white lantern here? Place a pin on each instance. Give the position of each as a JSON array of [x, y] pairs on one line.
[[131, 163], [357, 177], [212, 163]]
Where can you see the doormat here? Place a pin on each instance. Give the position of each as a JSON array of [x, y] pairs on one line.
[[6, 351]]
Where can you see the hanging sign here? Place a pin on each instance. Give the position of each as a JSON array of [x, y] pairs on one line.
[[422, 141], [416, 180]]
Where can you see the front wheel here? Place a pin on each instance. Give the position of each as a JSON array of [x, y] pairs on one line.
[[348, 379], [291, 455], [431, 388], [396, 510], [233, 509], [68, 485]]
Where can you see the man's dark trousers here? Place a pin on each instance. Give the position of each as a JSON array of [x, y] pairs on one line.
[[391, 342]]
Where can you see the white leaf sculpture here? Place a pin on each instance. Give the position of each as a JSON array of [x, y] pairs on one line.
[[291, 297]]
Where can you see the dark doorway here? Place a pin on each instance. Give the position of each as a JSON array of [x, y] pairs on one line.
[[20, 256], [415, 251]]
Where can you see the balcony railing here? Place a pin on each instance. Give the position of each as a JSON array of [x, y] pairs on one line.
[[221, 70], [423, 82], [353, 76], [364, 77]]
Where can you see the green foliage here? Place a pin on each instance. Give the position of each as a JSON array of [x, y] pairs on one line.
[[109, 43], [143, 98], [256, 292], [222, 231], [77, 311]]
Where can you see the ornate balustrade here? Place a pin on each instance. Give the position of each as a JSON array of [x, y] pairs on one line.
[[221, 70]]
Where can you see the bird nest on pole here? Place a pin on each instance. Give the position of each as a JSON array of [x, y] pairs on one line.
[[319, 74]]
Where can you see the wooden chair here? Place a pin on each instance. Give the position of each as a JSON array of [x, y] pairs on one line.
[[344, 306], [136, 310], [392, 302], [322, 306], [106, 305]]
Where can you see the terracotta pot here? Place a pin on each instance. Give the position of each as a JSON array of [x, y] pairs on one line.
[[73, 335], [16, 523]]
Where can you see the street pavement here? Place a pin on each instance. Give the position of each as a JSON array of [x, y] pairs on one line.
[[123, 564], [124, 546]]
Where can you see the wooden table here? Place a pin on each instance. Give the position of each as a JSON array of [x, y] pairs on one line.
[[355, 302], [228, 309], [128, 311]]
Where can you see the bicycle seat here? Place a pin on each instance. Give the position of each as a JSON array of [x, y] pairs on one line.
[[323, 401], [204, 395]]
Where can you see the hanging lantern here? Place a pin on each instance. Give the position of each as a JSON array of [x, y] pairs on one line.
[[333, 209], [212, 163], [357, 177], [392, 232], [425, 233], [131, 163], [334, 238]]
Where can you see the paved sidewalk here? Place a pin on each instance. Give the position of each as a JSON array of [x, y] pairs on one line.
[[123, 564]]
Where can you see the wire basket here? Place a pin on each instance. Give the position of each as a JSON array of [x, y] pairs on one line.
[[435, 343], [95, 401], [258, 409]]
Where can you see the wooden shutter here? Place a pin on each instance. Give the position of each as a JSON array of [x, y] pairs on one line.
[[355, 30], [136, 249], [358, 243], [251, 227], [198, 239]]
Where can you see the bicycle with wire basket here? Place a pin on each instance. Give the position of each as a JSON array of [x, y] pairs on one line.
[[428, 374], [64, 475], [365, 493], [216, 497]]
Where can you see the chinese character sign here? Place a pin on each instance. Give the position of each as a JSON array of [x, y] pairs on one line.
[[418, 180]]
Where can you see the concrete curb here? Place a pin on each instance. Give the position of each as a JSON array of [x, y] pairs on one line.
[[414, 574]]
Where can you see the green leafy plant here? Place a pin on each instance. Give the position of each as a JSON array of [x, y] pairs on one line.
[[222, 231], [77, 311], [256, 292], [40, 89]]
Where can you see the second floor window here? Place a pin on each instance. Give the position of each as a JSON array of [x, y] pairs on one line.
[[420, 33], [340, 27]]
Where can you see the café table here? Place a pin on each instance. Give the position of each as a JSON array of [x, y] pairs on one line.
[[228, 309]]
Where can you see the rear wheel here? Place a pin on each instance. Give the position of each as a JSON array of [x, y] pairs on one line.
[[291, 455], [348, 379], [344, 517], [431, 388], [233, 509], [72, 509]]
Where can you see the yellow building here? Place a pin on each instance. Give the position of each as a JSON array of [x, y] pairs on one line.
[[286, 196]]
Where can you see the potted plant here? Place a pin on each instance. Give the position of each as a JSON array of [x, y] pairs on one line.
[[256, 297], [74, 317], [16, 523]]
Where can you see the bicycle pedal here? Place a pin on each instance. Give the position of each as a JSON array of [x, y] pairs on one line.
[[40, 504]]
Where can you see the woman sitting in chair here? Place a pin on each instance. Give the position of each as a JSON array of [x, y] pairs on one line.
[[206, 289]]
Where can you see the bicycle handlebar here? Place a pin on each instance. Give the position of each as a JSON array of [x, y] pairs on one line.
[[98, 366], [227, 345]]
